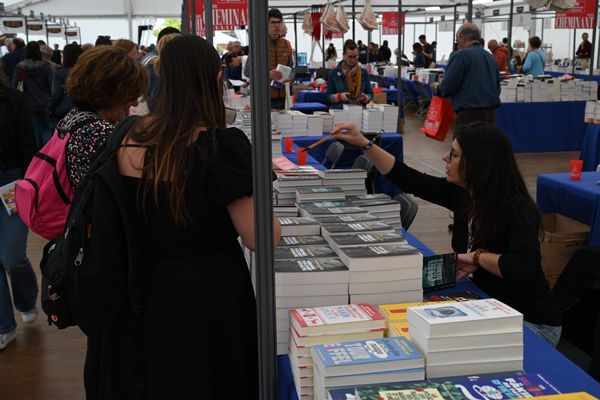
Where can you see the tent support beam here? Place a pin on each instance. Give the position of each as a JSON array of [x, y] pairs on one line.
[[593, 42], [208, 21]]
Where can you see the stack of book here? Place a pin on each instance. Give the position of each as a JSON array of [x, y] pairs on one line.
[[298, 226], [284, 188], [470, 337], [314, 125], [276, 144], [382, 206], [396, 322], [306, 282], [314, 208], [319, 193], [390, 117], [354, 114], [326, 325], [365, 362], [351, 180], [339, 116], [372, 120], [283, 122], [299, 123], [327, 120]]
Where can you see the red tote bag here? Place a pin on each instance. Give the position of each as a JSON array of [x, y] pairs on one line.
[[439, 118]]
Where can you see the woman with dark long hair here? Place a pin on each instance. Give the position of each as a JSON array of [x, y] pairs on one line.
[[61, 103], [496, 223], [191, 180]]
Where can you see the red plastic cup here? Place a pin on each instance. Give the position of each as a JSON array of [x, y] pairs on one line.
[[301, 156], [288, 144], [576, 167]]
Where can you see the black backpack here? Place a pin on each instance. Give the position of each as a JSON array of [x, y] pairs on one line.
[[89, 274]]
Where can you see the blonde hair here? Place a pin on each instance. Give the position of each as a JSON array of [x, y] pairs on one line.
[[161, 45], [125, 44]]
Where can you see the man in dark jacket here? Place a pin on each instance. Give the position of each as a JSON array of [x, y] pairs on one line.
[[9, 61], [471, 80], [363, 52], [385, 52]]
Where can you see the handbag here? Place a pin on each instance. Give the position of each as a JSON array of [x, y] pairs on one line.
[[439, 118]]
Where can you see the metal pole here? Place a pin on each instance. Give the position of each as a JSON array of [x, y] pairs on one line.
[[194, 21], [574, 50], [470, 11], [436, 30], [399, 100], [354, 20], [510, 25], [185, 17], [208, 21], [369, 34], [542, 30], [323, 44], [454, 27], [27, 31], [47, 38], [296, 37], [263, 206], [595, 28]]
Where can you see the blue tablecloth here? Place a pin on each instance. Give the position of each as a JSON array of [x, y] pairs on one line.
[[585, 77], [310, 160], [391, 142], [590, 149], [580, 200], [543, 127], [310, 107], [311, 96]]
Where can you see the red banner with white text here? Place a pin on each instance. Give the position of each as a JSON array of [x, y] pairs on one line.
[[389, 23], [581, 16], [227, 15]]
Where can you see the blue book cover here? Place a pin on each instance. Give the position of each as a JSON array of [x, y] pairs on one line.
[[342, 393], [367, 352], [503, 386]]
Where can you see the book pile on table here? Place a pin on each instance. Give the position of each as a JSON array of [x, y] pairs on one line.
[[390, 117], [297, 226], [470, 337], [339, 116], [366, 362], [314, 125], [372, 120], [327, 325], [354, 114], [396, 322], [307, 274], [299, 123], [351, 180], [283, 122], [319, 193], [382, 206], [327, 119], [284, 188]]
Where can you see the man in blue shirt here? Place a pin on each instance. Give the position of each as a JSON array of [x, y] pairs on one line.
[[471, 80]]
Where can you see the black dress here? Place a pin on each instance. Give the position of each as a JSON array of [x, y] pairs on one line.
[[198, 333]]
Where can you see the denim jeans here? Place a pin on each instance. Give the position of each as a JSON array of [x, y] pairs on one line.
[[14, 265], [549, 333]]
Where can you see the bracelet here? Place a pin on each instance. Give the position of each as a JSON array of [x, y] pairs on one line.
[[476, 255], [366, 146]]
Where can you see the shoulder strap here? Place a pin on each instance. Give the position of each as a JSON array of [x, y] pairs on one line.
[[115, 140]]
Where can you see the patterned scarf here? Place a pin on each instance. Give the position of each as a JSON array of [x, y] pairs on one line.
[[353, 78]]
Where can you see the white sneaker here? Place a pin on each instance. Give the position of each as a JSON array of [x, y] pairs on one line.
[[6, 338], [30, 316]]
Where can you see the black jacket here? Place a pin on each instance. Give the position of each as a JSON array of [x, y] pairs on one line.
[[37, 83], [17, 141], [10, 61], [523, 286]]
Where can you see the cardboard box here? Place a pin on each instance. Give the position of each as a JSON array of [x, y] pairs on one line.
[[380, 98], [562, 237]]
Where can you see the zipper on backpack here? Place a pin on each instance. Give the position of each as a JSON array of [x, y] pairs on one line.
[[79, 257]]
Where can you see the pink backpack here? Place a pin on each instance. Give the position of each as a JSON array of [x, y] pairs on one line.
[[44, 195]]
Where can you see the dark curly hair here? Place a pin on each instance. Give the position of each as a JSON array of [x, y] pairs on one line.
[[106, 76]]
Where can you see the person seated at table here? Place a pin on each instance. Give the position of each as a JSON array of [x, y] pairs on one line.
[[233, 69], [535, 60], [419, 60], [348, 83], [496, 223]]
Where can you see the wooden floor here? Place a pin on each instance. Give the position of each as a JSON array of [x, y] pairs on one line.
[[46, 364]]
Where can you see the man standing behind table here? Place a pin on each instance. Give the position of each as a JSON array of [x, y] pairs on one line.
[[385, 52], [280, 52], [348, 83], [471, 80], [427, 49], [584, 51], [500, 53]]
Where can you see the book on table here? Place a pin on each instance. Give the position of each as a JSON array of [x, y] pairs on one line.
[[464, 318], [297, 226], [383, 286], [471, 368], [315, 271], [439, 272], [344, 218], [459, 342], [380, 257], [309, 301], [325, 211], [339, 173], [398, 312], [308, 207], [306, 240], [398, 329], [328, 230], [377, 205], [369, 196], [334, 338], [298, 252], [321, 289], [371, 276], [454, 296], [345, 318], [410, 390], [338, 242], [309, 193]]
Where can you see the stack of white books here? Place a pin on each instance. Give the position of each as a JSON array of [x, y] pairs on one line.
[[467, 338], [325, 325], [396, 322], [306, 282], [372, 120], [365, 362], [339, 116], [299, 123], [381, 206], [314, 125], [297, 226], [390, 117], [283, 122], [319, 193], [327, 119], [276, 144], [354, 114], [352, 181]]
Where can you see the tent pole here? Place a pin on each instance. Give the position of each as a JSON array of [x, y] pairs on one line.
[[263, 206], [47, 37], [27, 32], [574, 50], [130, 19], [595, 29], [454, 26], [510, 26], [194, 20], [185, 15], [354, 20], [296, 37], [470, 11], [399, 100], [208, 21]]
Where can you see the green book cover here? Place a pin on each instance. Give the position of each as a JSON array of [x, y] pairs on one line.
[[439, 272]]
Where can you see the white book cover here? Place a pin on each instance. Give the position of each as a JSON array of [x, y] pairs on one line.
[[336, 319], [7, 195]]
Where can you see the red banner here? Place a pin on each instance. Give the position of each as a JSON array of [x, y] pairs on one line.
[[227, 15], [389, 23], [581, 16]]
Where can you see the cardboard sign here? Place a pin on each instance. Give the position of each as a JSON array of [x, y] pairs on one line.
[[581, 16]]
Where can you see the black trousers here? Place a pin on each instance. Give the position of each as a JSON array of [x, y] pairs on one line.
[[466, 116]]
